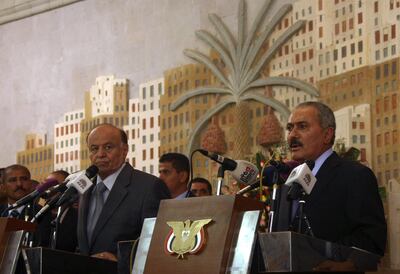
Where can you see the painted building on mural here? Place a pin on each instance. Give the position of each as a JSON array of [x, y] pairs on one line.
[[176, 126], [354, 129], [37, 156], [67, 145], [143, 127]]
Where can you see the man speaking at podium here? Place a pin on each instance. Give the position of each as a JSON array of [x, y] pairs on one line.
[[344, 206], [115, 207]]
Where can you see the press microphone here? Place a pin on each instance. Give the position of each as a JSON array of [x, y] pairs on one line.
[[227, 164], [244, 172], [80, 183], [61, 187], [270, 176], [301, 179], [52, 204], [34, 194], [284, 168]]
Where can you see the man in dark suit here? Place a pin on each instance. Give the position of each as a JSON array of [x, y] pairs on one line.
[[344, 205], [128, 196], [17, 184]]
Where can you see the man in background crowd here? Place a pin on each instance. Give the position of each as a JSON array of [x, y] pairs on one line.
[[17, 184], [200, 187], [174, 171]]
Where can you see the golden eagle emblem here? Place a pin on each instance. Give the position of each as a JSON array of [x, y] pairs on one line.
[[185, 237]]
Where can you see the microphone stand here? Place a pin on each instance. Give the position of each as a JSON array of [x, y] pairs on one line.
[[220, 176], [271, 213], [303, 216], [28, 236], [55, 224]]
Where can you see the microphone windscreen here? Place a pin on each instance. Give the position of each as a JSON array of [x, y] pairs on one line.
[[245, 172], [92, 171], [290, 166], [46, 185], [270, 176]]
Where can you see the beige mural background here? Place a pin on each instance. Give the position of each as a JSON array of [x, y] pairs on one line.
[[47, 61]]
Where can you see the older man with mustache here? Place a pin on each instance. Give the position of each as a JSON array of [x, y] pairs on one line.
[[344, 205]]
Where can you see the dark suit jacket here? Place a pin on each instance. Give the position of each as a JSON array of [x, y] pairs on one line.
[[135, 196], [344, 206]]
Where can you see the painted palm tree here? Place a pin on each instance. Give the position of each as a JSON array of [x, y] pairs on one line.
[[245, 59]]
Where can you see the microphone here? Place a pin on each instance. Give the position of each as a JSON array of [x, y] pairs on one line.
[[60, 188], [301, 179], [227, 164], [80, 183], [244, 172], [34, 194], [52, 203], [270, 176], [284, 168]]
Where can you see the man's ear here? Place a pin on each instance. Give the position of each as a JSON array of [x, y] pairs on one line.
[[184, 176], [328, 135]]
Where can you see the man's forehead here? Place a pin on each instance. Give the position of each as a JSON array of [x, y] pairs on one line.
[[302, 115], [16, 172], [104, 133], [199, 185], [165, 166]]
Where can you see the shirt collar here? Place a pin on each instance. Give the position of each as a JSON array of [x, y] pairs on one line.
[[181, 196], [320, 160], [110, 180]]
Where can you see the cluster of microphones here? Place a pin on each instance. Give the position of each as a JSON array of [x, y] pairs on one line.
[[298, 177], [59, 194]]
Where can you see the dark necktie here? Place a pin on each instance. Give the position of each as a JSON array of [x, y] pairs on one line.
[[97, 195]]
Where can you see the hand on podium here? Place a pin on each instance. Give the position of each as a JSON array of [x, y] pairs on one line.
[[105, 256]]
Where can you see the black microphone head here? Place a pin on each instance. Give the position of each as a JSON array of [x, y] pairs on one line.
[[91, 171], [310, 164], [270, 176], [295, 191]]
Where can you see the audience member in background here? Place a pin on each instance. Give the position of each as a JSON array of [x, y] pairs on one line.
[[17, 184], [200, 187], [3, 194], [66, 238], [174, 170], [58, 175]]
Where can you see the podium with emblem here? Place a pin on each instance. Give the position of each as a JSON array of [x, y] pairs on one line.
[[203, 235], [218, 234]]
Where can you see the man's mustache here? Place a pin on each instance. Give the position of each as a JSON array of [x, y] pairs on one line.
[[295, 142]]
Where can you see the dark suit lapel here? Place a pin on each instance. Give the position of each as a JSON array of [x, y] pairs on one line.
[[326, 174], [82, 221], [116, 196]]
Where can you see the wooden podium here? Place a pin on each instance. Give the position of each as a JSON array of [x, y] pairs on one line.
[[223, 234], [11, 233]]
